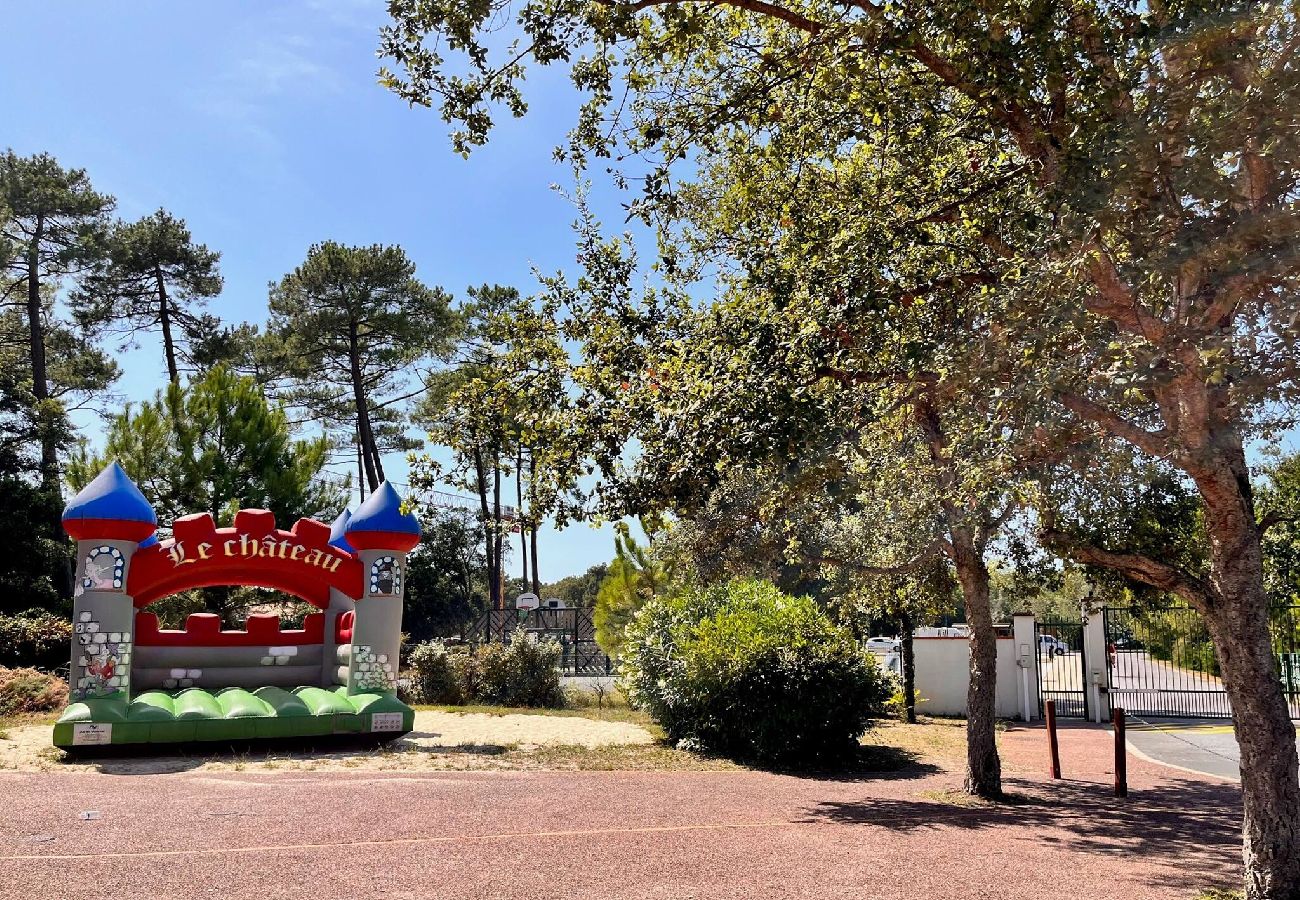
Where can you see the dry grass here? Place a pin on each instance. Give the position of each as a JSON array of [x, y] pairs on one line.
[[8, 723], [934, 740], [618, 758], [964, 800], [959, 799]]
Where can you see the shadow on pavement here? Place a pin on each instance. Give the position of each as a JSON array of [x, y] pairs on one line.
[[873, 763], [1192, 823]]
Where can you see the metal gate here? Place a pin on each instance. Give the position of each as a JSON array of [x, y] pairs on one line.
[[574, 630], [1161, 662], [1061, 668]]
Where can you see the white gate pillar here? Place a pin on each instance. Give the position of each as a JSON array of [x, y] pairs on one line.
[[1025, 641], [1094, 662]]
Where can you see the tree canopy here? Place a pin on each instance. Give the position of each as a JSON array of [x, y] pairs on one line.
[[1094, 204], [217, 445], [153, 276], [351, 324]]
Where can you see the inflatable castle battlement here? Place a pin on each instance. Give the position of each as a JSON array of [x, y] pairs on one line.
[[134, 682]]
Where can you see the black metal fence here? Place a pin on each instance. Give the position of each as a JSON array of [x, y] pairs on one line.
[[573, 629], [1161, 662], [1061, 667]]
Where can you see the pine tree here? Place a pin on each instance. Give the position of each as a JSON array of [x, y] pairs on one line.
[[56, 228], [154, 276], [352, 324]]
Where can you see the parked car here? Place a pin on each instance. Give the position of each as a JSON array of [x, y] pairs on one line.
[[883, 645], [1128, 642], [1052, 645]]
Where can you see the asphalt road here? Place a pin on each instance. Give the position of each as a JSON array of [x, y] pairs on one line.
[[678, 835], [1193, 744]]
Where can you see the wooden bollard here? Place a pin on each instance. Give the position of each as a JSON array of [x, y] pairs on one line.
[[1050, 707], [1121, 754]]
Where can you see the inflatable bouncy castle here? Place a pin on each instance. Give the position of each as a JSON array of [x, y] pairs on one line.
[[133, 682]]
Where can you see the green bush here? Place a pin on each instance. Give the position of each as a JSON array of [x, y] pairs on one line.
[[433, 675], [746, 671], [35, 638], [524, 672], [30, 691]]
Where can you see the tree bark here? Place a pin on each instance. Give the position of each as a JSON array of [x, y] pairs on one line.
[[908, 664], [36, 339], [966, 547], [41, 391], [983, 767], [494, 583], [1236, 611], [532, 525], [497, 532], [537, 581], [363, 413], [165, 321], [1237, 615], [376, 458], [519, 512], [361, 468]]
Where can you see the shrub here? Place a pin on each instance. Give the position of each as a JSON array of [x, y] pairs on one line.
[[748, 672], [30, 691], [434, 678], [35, 638], [524, 672]]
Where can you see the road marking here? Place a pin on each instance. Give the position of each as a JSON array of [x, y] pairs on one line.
[[1228, 779], [1185, 729], [437, 839]]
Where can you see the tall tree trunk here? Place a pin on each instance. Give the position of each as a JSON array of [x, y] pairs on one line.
[[908, 665], [1237, 615], [36, 339], [519, 512], [376, 457], [41, 391], [361, 468], [363, 413], [494, 583], [498, 532], [532, 530], [165, 321], [983, 767], [537, 581]]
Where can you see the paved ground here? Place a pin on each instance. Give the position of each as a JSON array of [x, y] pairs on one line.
[[678, 835], [1208, 747], [588, 682]]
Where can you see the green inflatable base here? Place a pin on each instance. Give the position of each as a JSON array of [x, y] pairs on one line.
[[232, 714]]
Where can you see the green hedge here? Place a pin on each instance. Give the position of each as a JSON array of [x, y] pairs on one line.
[[524, 672], [35, 638], [746, 671]]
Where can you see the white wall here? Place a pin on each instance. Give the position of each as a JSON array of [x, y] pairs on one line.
[[943, 676]]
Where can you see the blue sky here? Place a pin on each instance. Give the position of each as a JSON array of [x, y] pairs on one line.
[[262, 125]]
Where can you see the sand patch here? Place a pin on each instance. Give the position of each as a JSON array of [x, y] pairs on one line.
[[439, 741]]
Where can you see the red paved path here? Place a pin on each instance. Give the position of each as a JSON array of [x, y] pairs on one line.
[[620, 835]]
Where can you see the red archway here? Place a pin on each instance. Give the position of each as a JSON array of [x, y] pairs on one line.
[[254, 552]]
